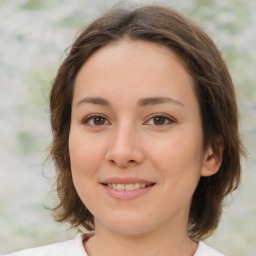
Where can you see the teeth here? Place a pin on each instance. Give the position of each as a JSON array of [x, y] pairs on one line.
[[137, 186], [120, 187], [126, 187], [129, 187]]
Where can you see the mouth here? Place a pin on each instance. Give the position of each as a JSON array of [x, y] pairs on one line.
[[127, 187]]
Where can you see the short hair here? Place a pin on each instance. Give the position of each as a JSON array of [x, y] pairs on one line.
[[213, 88]]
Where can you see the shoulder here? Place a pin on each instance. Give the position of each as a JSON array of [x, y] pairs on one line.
[[205, 250], [67, 248]]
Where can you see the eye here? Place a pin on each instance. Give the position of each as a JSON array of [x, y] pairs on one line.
[[95, 120], [160, 120]]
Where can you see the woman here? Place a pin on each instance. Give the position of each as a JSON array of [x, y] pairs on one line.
[[145, 137]]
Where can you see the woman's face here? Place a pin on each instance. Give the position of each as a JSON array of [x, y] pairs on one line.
[[136, 143]]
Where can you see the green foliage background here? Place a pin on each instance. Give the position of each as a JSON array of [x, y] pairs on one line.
[[33, 37]]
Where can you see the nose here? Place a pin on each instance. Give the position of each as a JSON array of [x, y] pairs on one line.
[[125, 149]]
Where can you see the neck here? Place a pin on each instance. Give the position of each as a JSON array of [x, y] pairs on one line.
[[160, 242]]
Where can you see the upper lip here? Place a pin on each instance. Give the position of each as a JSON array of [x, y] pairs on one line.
[[128, 180]]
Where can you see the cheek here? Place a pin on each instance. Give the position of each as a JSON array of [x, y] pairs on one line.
[[179, 157], [178, 148], [85, 154], [86, 159]]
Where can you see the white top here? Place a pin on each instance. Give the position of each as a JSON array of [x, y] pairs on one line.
[[75, 247]]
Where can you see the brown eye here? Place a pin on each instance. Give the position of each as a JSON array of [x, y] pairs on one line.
[[159, 120], [98, 120]]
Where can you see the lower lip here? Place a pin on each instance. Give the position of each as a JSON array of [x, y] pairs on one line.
[[125, 195]]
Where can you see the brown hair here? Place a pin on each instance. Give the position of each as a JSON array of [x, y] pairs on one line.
[[213, 87]]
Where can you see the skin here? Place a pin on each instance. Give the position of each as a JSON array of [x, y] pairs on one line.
[[129, 141]]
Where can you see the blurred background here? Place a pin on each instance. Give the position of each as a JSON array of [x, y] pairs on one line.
[[33, 37]]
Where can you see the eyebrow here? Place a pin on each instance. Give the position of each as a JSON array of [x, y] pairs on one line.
[[158, 100], [142, 102], [93, 100]]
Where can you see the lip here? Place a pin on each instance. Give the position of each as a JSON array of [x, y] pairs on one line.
[[128, 180], [126, 195]]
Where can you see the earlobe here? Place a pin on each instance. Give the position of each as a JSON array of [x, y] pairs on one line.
[[212, 161]]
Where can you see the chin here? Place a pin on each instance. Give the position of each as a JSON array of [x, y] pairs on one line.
[[128, 226]]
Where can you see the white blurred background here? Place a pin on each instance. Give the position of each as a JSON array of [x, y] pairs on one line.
[[33, 37]]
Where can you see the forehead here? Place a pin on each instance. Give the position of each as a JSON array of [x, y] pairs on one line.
[[126, 51], [130, 68]]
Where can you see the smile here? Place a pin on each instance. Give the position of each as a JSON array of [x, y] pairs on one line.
[[127, 187], [127, 191]]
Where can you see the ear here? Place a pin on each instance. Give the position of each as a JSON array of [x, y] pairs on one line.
[[212, 161]]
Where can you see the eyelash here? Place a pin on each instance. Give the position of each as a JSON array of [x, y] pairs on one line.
[[93, 116], [166, 118]]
